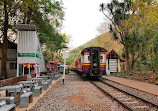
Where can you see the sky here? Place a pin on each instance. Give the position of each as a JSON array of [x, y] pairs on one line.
[[82, 17]]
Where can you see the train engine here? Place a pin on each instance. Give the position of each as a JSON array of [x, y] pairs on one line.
[[92, 61]]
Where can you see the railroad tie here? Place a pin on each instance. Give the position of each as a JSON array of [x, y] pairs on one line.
[[130, 102], [125, 99], [117, 93], [139, 107], [113, 91]]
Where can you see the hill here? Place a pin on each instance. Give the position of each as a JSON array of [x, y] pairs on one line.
[[104, 40]]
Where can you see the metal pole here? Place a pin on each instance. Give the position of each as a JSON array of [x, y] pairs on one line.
[[64, 70], [36, 70]]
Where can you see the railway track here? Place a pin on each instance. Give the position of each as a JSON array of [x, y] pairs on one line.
[[126, 99]]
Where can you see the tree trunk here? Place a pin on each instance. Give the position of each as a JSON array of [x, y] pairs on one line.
[[24, 20], [127, 59], [5, 44], [153, 62], [29, 16], [133, 61]]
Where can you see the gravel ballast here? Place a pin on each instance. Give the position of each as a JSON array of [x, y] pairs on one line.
[[136, 92], [75, 95]]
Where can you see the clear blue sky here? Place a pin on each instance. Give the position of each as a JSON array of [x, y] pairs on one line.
[[82, 17]]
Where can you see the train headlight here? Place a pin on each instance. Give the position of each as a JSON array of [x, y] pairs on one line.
[[95, 64]]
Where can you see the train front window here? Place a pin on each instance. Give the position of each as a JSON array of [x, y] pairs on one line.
[[88, 57], [101, 57], [95, 56]]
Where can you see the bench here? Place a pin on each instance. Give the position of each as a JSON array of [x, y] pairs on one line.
[[45, 86], [9, 100], [25, 99], [57, 76], [49, 81], [37, 90], [8, 107], [2, 103]]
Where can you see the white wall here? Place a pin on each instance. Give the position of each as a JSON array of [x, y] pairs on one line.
[[29, 43], [26, 44]]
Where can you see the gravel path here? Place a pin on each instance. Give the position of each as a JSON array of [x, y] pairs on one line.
[[75, 95]]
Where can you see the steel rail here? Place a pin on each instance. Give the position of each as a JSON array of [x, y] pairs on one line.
[[124, 105], [150, 102]]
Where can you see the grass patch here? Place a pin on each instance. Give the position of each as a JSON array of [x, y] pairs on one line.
[[156, 78], [125, 76]]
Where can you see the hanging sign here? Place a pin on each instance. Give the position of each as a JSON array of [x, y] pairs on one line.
[[26, 55], [38, 56], [29, 55]]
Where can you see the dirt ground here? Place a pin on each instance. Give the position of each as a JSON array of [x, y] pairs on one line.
[[145, 76]]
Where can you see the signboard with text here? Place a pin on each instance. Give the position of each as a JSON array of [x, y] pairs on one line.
[[65, 55]]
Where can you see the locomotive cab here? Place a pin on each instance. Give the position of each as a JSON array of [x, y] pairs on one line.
[[95, 62]]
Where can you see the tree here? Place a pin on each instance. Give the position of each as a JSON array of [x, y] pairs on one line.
[[133, 25], [119, 11], [8, 11], [143, 25], [47, 15]]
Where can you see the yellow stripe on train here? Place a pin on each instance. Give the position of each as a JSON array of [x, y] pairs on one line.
[[86, 53], [103, 64], [87, 64]]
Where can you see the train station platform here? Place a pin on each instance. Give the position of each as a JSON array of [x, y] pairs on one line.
[[143, 86]]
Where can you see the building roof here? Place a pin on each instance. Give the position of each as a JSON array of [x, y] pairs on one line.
[[107, 54], [26, 27], [54, 61], [89, 48]]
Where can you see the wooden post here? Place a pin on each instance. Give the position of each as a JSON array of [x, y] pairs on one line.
[[23, 70], [17, 72]]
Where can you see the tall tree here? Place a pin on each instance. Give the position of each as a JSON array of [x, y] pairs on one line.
[[142, 25], [119, 11], [8, 10]]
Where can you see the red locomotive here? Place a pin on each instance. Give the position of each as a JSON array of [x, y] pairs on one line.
[[91, 62], [96, 61]]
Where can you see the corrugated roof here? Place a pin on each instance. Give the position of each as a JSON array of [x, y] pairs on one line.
[[26, 27]]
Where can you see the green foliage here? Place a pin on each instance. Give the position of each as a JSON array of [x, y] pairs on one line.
[[156, 78], [103, 40], [46, 15], [134, 24]]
